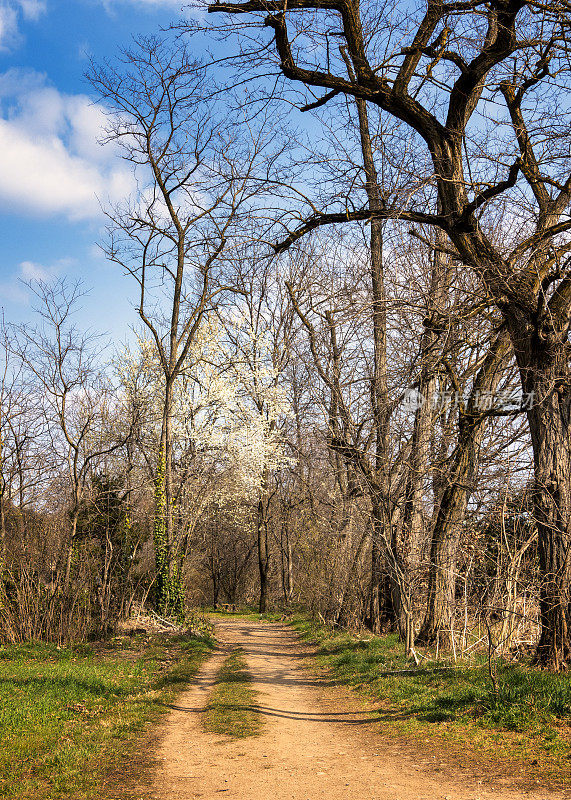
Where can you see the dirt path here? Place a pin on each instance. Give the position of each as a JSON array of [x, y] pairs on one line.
[[314, 746]]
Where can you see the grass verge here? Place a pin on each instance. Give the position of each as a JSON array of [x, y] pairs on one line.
[[231, 707], [73, 721], [522, 733]]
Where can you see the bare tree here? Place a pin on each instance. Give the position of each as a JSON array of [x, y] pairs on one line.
[[458, 483], [517, 51], [20, 439], [195, 185], [72, 391]]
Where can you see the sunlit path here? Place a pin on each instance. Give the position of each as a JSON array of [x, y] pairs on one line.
[[313, 747]]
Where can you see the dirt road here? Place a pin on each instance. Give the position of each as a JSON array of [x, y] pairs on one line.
[[314, 746]]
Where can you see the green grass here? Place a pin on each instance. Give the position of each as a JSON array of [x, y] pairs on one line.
[[72, 718], [526, 726], [246, 612], [231, 708]]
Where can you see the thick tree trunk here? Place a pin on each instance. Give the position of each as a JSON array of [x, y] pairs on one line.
[[547, 389], [215, 591], [388, 582], [542, 353]]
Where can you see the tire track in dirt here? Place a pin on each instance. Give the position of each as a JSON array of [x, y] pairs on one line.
[[313, 746]]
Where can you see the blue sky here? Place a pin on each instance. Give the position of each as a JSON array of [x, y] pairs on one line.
[[51, 168]]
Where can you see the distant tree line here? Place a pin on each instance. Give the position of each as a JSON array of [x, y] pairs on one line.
[[350, 386]]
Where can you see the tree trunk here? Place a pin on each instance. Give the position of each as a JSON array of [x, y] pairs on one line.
[[545, 376], [420, 455], [2, 509], [385, 589], [70, 549], [104, 595], [215, 591], [168, 473], [2, 531], [287, 565], [161, 593], [169, 595], [341, 615], [438, 620], [418, 466], [263, 550], [388, 590]]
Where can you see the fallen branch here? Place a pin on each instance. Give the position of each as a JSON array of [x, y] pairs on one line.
[[163, 621]]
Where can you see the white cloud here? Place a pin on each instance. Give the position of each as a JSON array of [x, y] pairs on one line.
[[195, 9], [11, 11], [32, 9], [14, 290], [31, 271], [175, 3], [9, 33], [150, 5], [50, 159]]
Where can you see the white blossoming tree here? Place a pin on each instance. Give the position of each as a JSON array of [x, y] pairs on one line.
[[225, 425], [195, 184]]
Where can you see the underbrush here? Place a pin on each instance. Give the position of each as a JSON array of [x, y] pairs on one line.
[[71, 719], [231, 710], [526, 722]]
